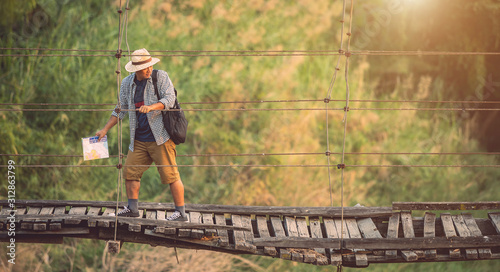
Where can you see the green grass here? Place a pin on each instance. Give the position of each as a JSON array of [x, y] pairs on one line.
[[214, 25]]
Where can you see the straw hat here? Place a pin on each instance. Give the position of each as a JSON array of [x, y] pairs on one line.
[[141, 59]]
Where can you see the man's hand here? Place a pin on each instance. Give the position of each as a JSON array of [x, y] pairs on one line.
[[145, 109], [101, 133]]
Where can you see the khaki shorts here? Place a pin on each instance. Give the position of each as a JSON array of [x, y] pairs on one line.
[[146, 153]]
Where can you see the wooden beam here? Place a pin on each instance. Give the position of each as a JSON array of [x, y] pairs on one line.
[[421, 243], [214, 208], [131, 220], [446, 206]]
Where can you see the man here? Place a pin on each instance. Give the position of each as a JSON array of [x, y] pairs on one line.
[[149, 141]]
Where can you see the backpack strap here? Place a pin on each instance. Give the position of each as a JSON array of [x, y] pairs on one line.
[[154, 77]]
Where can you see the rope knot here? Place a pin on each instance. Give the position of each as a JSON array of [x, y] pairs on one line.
[[326, 100], [346, 108], [118, 54], [118, 110], [119, 166], [340, 166]]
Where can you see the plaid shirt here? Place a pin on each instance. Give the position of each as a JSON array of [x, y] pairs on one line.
[[167, 95]]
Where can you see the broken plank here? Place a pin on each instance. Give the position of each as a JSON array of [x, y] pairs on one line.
[[430, 231], [279, 231], [407, 222], [315, 226], [262, 228], [392, 232], [291, 231], [370, 231], [352, 227], [331, 232], [309, 257], [484, 253], [463, 231], [246, 222], [449, 231]]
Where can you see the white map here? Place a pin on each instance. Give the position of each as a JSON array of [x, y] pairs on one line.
[[95, 149]]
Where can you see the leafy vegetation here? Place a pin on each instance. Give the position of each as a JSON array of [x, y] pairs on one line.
[[245, 25]]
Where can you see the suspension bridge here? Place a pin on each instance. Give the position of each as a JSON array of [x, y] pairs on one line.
[[348, 236]]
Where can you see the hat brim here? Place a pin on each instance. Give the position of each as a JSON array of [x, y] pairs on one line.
[[134, 68]]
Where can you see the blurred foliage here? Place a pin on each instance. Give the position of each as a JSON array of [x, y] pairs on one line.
[[251, 25]]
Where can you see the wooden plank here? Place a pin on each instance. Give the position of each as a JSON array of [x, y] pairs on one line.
[[309, 256], [291, 231], [463, 231], [315, 226], [430, 231], [223, 235], [6, 210], [246, 222], [215, 208], [370, 231], [240, 236], [28, 224], [392, 232], [93, 211], [495, 221], [279, 232], [407, 223], [41, 224], [196, 218], [136, 225], [183, 232], [208, 219], [161, 216], [383, 243], [75, 211], [484, 253], [352, 227], [449, 231], [341, 228], [150, 214], [331, 232], [446, 206], [262, 228], [55, 224]]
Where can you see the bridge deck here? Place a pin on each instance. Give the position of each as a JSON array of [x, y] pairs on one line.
[[314, 235]]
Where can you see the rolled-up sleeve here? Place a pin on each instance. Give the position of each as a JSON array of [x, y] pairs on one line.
[[123, 103]]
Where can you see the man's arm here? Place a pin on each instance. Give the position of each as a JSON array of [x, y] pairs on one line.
[[113, 120], [156, 106]]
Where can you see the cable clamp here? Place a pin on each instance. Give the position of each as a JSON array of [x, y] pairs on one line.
[[119, 166], [346, 108], [118, 110], [118, 54], [326, 100], [340, 166]]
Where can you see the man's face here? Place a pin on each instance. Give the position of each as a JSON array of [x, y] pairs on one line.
[[144, 73]]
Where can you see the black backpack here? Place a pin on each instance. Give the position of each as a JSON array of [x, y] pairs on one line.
[[175, 122]]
